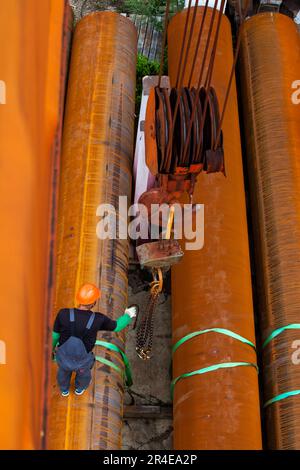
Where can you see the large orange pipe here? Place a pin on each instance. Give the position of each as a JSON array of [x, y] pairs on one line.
[[32, 60], [96, 168], [270, 70], [211, 288]]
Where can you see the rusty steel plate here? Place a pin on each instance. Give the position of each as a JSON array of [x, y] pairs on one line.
[[159, 254], [150, 134]]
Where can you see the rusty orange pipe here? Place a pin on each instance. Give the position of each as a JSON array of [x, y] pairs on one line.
[[29, 148], [270, 69], [211, 288], [96, 168]]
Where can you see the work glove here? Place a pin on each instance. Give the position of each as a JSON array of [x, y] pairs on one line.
[[131, 311]]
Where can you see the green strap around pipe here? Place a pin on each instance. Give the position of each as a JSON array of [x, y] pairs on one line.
[[278, 331], [113, 347], [274, 334], [282, 396], [222, 331], [223, 365]]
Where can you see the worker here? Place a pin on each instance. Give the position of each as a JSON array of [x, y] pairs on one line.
[[74, 335]]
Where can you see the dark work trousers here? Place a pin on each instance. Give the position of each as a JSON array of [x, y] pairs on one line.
[[82, 379]]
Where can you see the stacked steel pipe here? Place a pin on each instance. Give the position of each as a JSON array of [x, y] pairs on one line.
[[96, 168], [32, 84], [270, 64], [211, 288]]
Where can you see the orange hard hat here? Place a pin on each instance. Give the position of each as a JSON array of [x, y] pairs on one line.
[[88, 294]]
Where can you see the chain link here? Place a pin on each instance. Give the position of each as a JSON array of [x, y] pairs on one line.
[[144, 337]]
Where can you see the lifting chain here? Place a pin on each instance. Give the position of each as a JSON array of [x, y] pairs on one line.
[[144, 337]]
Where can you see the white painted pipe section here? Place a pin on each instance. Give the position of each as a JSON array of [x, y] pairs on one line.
[[297, 18], [143, 179], [202, 3]]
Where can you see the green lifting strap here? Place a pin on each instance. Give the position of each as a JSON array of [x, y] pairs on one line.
[[222, 331], [282, 396], [223, 365], [113, 347], [274, 334], [292, 326]]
